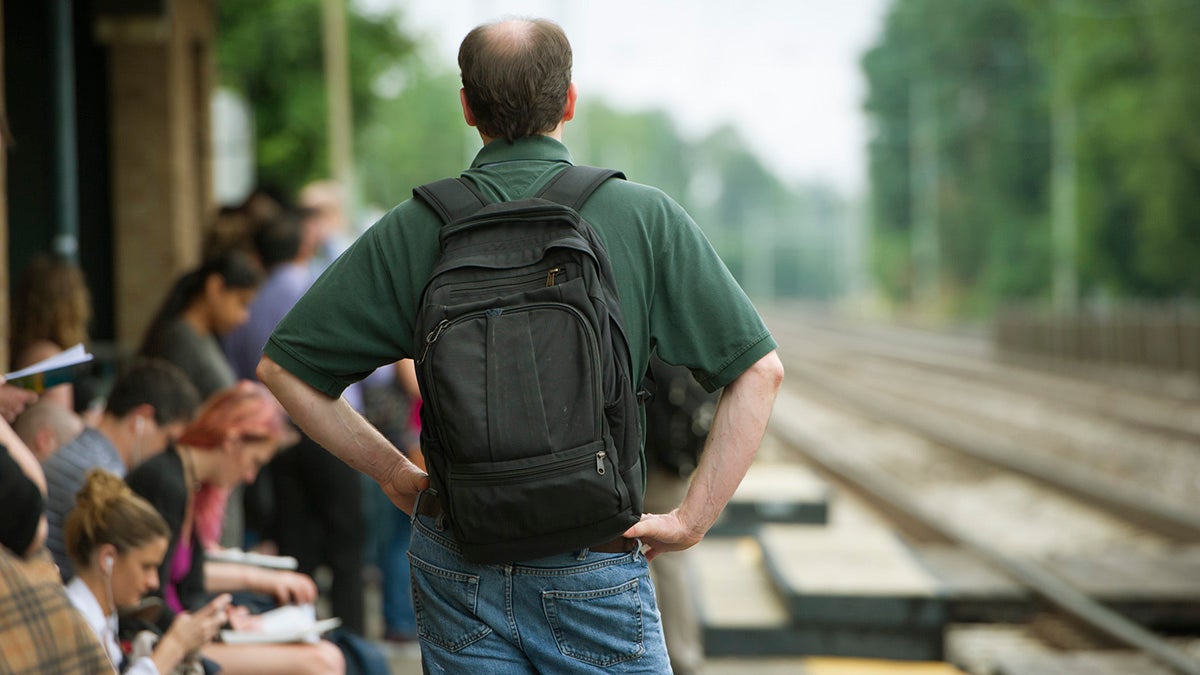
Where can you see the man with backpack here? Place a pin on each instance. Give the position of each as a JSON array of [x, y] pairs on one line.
[[530, 293]]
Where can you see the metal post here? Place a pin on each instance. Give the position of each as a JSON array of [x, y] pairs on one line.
[[337, 95], [1063, 185], [924, 177], [66, 239]]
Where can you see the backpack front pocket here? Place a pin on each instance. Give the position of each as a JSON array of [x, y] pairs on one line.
[[535, 496], [525, 393]]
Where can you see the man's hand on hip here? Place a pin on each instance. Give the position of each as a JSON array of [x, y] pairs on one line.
[[404, 481], [663, 532]]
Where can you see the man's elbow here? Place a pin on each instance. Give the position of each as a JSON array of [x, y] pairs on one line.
[[769, 369], [267, 371]]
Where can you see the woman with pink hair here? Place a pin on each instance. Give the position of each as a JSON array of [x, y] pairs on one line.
[[237, 431]]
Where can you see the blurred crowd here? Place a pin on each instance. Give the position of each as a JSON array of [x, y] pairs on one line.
[[129, 495]]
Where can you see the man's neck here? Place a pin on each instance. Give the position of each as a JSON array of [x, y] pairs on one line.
[[556, 133], [113, 430]]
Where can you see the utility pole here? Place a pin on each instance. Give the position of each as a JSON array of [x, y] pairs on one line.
[[337, 95], [924, 177], [1064, 220]]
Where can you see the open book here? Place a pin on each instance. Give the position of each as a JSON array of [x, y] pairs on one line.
[[237, 555], [61, 368], [290, 623]]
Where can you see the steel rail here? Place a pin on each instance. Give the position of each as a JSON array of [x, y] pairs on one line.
[[1030, 574]]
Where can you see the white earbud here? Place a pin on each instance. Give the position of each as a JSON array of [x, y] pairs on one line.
[[108, 564], [141, 423]]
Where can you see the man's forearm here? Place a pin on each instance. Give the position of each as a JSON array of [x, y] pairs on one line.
[[334, 424], [739, 423]]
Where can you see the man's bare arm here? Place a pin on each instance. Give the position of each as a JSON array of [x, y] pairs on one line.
[[737, 430], [340, 429]]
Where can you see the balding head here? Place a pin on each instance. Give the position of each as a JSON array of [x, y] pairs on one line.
[[515, 77], [45, 426]]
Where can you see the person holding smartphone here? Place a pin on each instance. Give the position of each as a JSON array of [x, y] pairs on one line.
[[117, 541]]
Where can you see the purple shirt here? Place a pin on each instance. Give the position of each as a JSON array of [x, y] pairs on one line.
[[283, 287]]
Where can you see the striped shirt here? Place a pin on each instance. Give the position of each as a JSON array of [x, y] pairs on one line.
[[65, 472]]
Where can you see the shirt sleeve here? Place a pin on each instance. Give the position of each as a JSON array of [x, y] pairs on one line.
[[700, 317], [359, 314]]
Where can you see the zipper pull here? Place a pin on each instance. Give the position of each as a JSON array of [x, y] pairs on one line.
[[432, 337], [600, 468], [552, 275]]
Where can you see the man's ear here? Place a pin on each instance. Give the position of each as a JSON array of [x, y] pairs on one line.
[[569, 109], [466, 107], [137, 415]]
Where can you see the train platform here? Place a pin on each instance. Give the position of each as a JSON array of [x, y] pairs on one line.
[[407, 661], [801, 575]]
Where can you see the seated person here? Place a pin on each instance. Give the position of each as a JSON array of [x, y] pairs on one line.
[[235, 433], [39, 630], [148, 405], [117, 542], [46, 426]]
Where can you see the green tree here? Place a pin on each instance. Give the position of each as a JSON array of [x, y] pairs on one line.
[[1130, 71], [270, 51], [964, 76], [416, 136]]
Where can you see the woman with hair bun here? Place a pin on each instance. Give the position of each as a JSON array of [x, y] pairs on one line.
[[117, 541], [236, 432]]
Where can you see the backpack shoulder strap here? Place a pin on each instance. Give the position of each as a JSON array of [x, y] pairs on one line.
[[452, 198], [572, 186]]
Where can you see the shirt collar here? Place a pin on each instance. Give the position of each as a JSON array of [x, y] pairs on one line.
[[541, 148], [88, 606]]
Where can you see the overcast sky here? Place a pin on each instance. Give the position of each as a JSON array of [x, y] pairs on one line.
[[785, 72]]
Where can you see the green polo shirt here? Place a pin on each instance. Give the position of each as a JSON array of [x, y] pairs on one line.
[[676, 294]]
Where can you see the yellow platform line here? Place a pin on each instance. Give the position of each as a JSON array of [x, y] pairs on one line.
[[840, 666]]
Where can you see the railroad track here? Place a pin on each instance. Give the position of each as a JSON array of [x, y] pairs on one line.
[[1016, 466]]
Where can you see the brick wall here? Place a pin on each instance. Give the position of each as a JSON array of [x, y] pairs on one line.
[[160, 75]]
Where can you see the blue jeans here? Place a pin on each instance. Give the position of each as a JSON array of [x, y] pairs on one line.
[[572, 613], [397, 591]]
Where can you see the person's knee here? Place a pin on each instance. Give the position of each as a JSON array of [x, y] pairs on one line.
[[327, 659]]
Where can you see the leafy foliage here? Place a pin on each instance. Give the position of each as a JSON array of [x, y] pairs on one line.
[[271, 52], [980, 78]]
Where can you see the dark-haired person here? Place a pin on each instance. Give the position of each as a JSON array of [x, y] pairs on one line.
[[117, 542], [39, 630], [206, 303], [590, 610], [311, 516], [148, 406], [235, 433]]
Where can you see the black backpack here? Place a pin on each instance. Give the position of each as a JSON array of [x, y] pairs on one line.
[[529, 421], [678, 418]]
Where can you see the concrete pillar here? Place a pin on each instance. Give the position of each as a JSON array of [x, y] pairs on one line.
[[160, 78]]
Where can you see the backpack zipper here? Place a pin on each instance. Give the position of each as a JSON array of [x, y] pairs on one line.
[[432, 337], [518, 475], [517, 281]]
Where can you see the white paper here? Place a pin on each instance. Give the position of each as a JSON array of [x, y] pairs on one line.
[[290, 623], [70, 357], [237, 555]]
